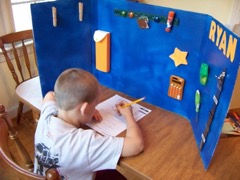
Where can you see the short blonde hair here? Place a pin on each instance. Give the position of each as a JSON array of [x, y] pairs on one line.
[[75, 86]]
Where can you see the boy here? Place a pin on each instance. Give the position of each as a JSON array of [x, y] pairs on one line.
[[60, 142]]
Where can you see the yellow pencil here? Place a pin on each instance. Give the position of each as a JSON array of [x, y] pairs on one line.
[[133, 102]]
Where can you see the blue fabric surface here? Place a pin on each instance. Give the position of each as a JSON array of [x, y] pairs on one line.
[[62, 47]]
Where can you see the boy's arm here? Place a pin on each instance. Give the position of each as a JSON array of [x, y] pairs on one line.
[[49, 97], [133, 141]]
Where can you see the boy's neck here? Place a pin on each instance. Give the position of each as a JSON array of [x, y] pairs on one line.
[[68, 117]]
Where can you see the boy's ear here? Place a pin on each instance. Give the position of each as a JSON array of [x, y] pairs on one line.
[[83, 108]]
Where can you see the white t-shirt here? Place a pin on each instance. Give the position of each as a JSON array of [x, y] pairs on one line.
[[75, 152]]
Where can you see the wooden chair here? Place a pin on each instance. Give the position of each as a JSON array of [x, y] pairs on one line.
[[15, 43], [7, 129], [236, 29]]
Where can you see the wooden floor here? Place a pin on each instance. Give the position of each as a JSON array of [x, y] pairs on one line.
[[26, 130]]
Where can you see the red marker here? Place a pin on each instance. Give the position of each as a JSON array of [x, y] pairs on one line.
[[170, 21]]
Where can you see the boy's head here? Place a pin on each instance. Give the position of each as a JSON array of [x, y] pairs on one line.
[[75, 86]]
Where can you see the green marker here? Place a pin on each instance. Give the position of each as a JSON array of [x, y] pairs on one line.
[[197, 102], [204, 74]]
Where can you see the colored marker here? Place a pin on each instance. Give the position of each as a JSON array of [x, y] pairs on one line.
[[197, 103], [170, 18]]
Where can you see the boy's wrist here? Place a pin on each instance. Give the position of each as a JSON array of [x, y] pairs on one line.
[[130, 119]]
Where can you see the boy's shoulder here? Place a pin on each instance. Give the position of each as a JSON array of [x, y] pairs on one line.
[[49, 107]]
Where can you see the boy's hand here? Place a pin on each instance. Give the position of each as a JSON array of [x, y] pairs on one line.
[[126, 112], [50, 96], [97, 116]]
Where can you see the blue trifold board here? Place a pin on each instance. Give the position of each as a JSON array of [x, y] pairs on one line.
[[140, 63]]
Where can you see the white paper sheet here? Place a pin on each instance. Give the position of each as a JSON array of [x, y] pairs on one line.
[[112, 124]]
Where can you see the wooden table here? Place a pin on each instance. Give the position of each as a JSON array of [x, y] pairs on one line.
[[170, 148]]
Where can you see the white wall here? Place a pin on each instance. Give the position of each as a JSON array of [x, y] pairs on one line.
[[219, 9], [7, 84]]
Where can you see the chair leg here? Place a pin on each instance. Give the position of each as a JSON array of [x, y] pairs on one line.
[[36, 116], [20, 110]]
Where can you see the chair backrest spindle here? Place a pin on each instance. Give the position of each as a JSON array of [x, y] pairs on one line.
[[16, 42], [27, 62], [236, 29], [9, 63]]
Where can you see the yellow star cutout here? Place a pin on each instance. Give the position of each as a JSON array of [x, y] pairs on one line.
[[179, 57]]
